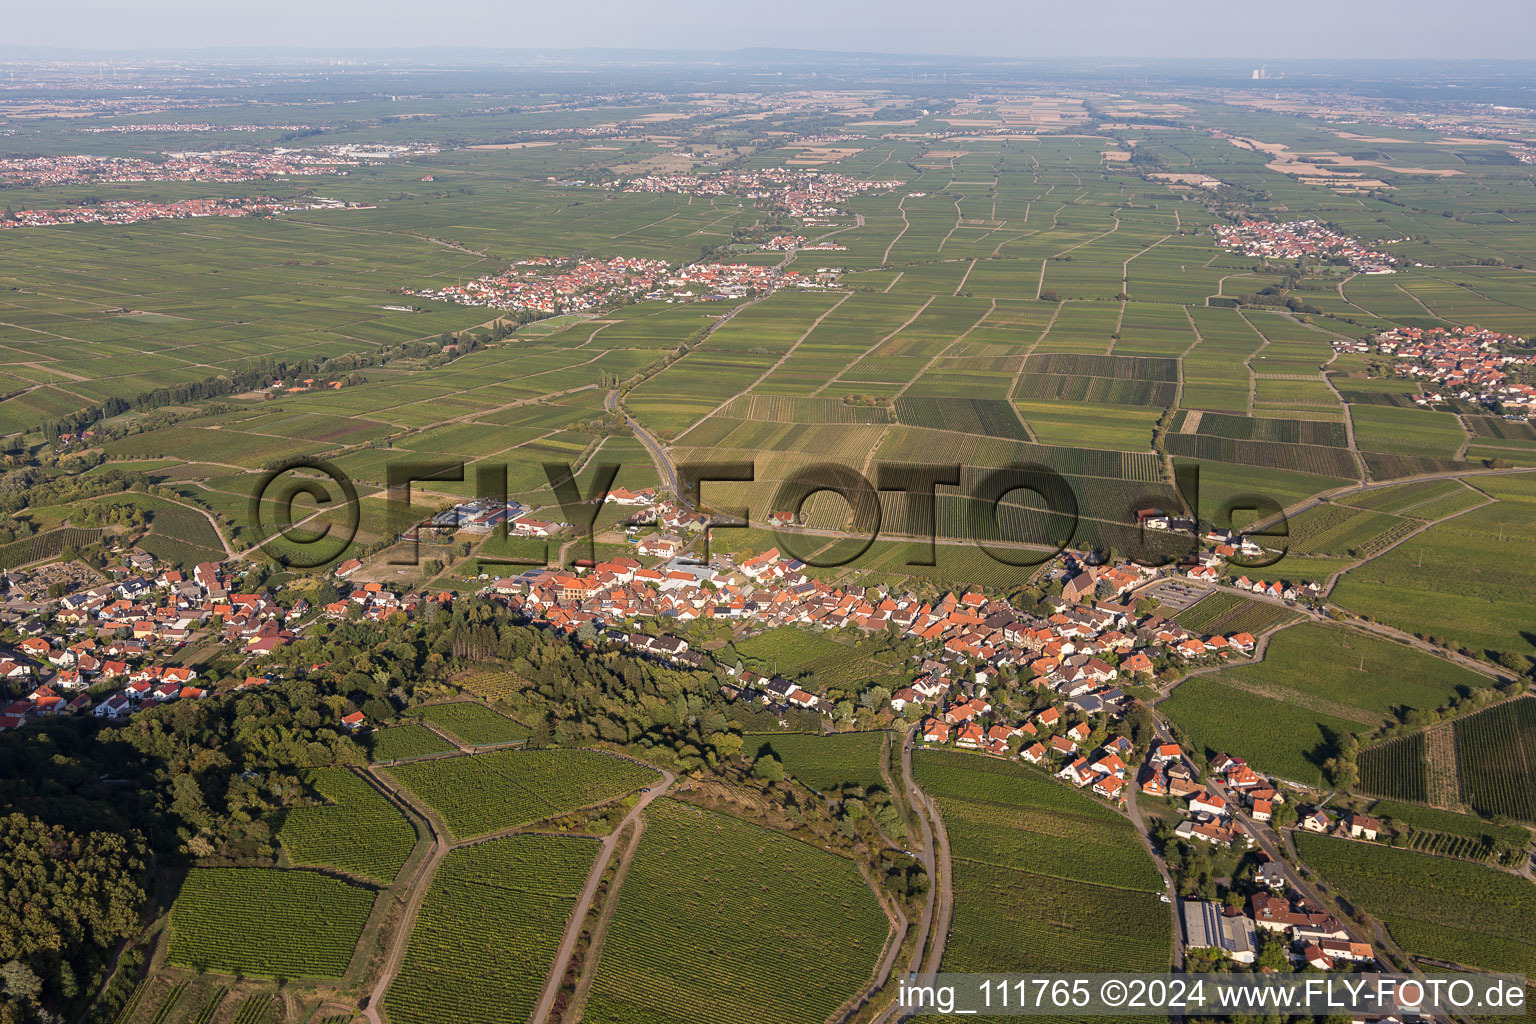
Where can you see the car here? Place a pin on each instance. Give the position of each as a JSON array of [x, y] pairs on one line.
[[1164, 897]]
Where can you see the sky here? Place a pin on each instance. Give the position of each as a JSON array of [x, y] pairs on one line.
[[1023, 29]]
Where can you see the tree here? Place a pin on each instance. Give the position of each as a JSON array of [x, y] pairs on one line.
[[768, 768]]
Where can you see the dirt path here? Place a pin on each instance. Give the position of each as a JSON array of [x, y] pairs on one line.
[[417, 887], [578, 917]]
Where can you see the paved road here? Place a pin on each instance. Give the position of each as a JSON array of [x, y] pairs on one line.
[[594, 877]]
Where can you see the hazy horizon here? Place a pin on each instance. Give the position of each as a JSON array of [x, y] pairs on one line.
[[1094, 29]]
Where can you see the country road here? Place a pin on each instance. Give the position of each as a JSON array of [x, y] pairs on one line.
[[578, 917], [938, 907]]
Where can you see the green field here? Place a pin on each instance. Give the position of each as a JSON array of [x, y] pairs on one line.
[[274, 924], [1316, 684], [400, 742], [1226, 613], [825, 762], [357, 830], [1496, 759], [793, 931], [1434, 907], [488, 930], [481, 793], [1044, 876], [1467, 580], [474, 724]]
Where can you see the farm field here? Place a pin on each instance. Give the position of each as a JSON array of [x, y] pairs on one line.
[[1496, 759], [1043, 875], [794, 931], [481, 793], [1225, 613], [357, 830], [488, 930], [473, 724], [401, 742], [1465, 580], [1316, 684], [259, 922], [1434, 907], [825, 762]]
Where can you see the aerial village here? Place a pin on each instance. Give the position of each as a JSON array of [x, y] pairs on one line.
[[1466, 363], [816, 197], [136, 211], [1044, 688], [555, 285], [1298, 239]]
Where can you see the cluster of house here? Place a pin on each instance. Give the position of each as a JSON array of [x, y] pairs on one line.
[[551, 285], [809, 195], [799, 243], [125, 631], [1465, 362], [374, 602], [299, 387], [162, 128], [220, 167], [1210, 808], [577, 285], [1315, 938], [135, 211], [1352, 825], [1295, 239]]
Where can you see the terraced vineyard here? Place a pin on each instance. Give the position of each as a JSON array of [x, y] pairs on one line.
[[1496, 759], [722, 921], [357, 830], [1045, 876], [482, 793], [1434, 907], [257, 922], [488, 930]]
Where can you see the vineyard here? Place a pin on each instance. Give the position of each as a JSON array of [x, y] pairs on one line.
[[1045, 878], [1245, 428], [1466, 825], [403, 742], [1496, 759], [357, 829], [257, 1010], [1332, 529], [720, 920], [824, 762], [1116, 367], [45, 545], [1227, 613], [482, 793], [491, 684], [473, 724], [1060, 387], [488, 929], [1434, 907], [993, 417], [257, 922], [1396, 769], [787, 409], [1318, 460]]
